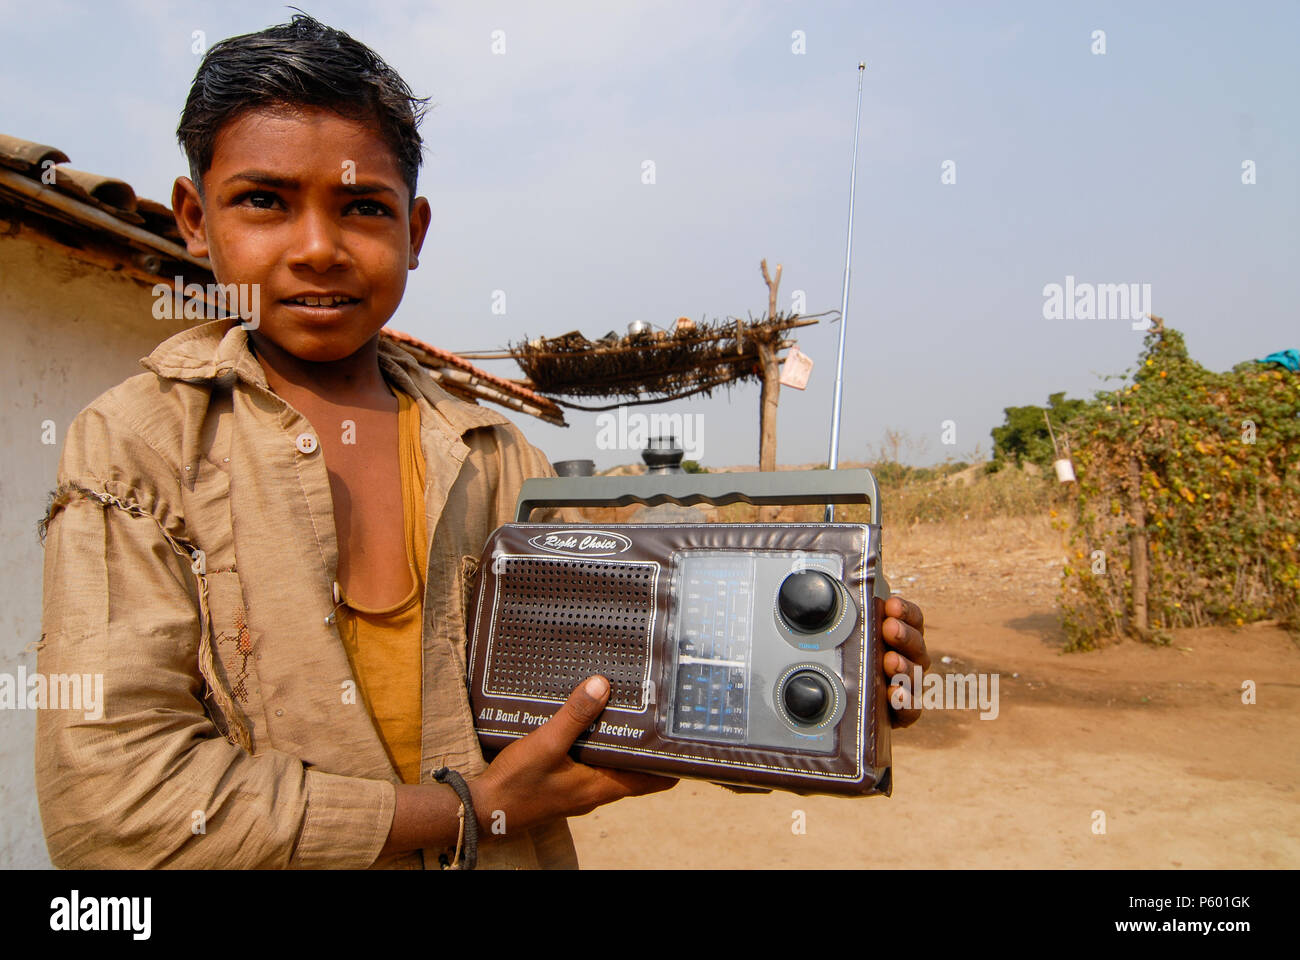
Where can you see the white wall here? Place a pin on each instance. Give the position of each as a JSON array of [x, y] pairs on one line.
[[70, 331]]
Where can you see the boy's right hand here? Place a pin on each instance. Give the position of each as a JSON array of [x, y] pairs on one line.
[[534, 779]]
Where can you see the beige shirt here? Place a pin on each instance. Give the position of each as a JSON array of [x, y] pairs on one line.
[[191, 559]]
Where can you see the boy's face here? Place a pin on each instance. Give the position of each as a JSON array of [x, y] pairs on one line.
[[306, 203]]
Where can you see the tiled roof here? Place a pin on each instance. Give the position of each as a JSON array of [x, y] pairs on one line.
[[34, 179], [101, 219]]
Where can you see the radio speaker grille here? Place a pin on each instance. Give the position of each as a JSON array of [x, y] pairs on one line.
[[559, 621]]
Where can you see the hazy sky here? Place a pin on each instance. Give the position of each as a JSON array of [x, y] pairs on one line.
[[1122, 167]]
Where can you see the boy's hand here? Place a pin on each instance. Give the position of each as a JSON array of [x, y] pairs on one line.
[[904, 635], [534, 779]]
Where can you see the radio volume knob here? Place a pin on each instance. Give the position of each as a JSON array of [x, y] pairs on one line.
[[806, 696], [808, 601]]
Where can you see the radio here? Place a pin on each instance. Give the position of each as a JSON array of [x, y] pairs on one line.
[[739, 653]]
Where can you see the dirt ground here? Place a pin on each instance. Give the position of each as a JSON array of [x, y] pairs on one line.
[[1157, 739]]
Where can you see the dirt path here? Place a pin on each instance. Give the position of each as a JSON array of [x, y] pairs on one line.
[[1156, 738]]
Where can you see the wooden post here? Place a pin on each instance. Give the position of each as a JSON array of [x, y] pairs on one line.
[[768, 399], [1138, 551], [771, 289], [768, 348], [771, 393]]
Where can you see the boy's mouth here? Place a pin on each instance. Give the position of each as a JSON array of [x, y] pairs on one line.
[[321, 300]]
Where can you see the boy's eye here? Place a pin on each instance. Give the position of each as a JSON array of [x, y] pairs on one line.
[[370, 208], [258, 199]]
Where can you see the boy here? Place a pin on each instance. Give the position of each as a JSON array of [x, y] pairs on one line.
[[275, 601]]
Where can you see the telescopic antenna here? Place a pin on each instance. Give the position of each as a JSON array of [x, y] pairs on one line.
[[834, 458]]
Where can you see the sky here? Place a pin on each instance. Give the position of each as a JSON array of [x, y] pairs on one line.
[[1004, 147]]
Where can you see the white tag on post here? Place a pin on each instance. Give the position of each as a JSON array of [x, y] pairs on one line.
[[796, 369]]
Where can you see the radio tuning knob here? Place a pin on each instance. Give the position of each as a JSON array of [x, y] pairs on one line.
[[806, 697], [808, 601]]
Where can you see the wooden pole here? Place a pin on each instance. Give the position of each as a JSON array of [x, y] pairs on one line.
[[1138, 551], [1055, 449], [771, 289], [770, 396]]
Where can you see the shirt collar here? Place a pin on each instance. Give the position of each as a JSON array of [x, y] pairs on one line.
[[218, 352]]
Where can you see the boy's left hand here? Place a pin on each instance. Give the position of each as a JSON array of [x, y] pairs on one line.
[[904, 635]]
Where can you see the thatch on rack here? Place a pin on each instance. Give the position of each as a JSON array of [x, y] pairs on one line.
[[654, 366]]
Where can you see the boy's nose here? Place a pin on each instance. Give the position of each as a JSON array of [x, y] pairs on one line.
[[317, 243]]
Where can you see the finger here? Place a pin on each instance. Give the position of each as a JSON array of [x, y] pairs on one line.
[[895, 664], [906, 639], [903, 718], [576, 715], [905, 610], [611, 784], [901, 711]]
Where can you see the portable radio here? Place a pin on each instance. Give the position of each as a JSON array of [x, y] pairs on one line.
[[740, 653]]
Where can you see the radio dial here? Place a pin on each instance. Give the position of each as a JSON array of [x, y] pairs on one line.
[[808, 601]]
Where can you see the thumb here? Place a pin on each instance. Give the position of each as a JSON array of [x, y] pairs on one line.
[[578, 713]]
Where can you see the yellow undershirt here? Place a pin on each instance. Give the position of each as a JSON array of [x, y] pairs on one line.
[[385, 645]]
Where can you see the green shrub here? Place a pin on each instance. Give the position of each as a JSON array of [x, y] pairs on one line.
[[1025, 437], [1215, 456]]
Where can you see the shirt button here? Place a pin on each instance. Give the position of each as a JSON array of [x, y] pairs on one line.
[[306, 443], [279, 713]]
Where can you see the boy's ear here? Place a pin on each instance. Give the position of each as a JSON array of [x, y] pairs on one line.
[[187, 208], [421, 215]]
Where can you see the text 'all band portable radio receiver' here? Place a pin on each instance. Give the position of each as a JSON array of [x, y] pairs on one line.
[[740, 653]]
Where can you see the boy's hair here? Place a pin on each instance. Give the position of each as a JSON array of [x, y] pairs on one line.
[[300, 63]]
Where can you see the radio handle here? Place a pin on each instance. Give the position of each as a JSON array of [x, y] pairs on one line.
[[774, 488]]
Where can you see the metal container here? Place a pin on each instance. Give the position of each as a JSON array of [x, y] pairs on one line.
[[663, 455], [575, 468]]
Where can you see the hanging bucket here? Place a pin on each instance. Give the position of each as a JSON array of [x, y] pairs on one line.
[[1064, 470]]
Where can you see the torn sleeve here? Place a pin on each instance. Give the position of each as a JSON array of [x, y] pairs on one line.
[[143, 778]]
